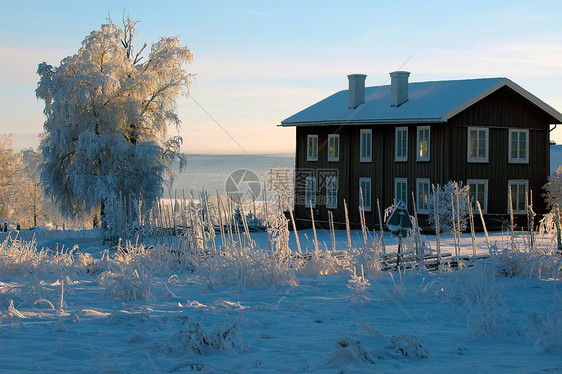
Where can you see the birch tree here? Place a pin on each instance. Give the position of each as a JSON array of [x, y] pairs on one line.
[[109, 110], [14, 187], [31, 161]]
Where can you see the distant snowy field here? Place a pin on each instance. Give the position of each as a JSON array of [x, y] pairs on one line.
[[146, 313], [211, 171]]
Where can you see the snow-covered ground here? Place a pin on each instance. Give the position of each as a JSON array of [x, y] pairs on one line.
[[91, 309], [144, 312]]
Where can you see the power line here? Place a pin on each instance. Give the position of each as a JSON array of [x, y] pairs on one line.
[[218, 124]]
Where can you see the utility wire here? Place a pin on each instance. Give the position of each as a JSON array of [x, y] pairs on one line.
[[400, 67], [218, 124]]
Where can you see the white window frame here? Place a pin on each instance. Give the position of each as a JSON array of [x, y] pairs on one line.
[[362, 145], [518, 182], [419, 156], [485, 158], [367, 192], [310, 192], [397, 156], [312, 156], [420, 208], [332, 199], [518, 160], [403, 181], [335, 138], [483, 204]]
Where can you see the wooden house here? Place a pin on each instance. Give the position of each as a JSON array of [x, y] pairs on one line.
[[392, 141]]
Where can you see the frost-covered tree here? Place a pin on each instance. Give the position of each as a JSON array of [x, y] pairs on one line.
[[553, 189], [449, 194], [31, 161], [14, 187], [108, 114]]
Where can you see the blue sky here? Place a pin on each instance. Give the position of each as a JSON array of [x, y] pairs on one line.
[[258, 62]]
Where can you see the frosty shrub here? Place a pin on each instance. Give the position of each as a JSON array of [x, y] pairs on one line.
[[366, 257], [158, 259], [447, 221], [538, 263], [18, 257], [194, 338], [347, 350], [126, 283], [108, 109], [547, 225], [544, 328], [243, 267], [520, 259], [553, 189], [480, 296], [324, 262], [358, 285], [403, 345], [278, 232]]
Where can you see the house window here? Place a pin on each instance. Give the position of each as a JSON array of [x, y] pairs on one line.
[[401, 144], [332, 192], [519, 146], [422, 195], [518, 190], [366, 146], [423, 143], [365, 193], [401, 190], [477, 144], [478, 192], [312, 148], [333, 147], [310, 192]]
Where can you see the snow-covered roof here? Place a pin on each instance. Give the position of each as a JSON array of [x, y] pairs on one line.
[[436, 101]]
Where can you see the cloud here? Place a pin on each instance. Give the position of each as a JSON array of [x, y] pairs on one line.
[[255, 13]]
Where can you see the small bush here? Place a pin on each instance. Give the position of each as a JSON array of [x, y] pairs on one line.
[[480, 296], [126, 283], [545, 328], [358, 285], [346, 350], [246, 268], [404, 345], [531, 262], [194, 338]]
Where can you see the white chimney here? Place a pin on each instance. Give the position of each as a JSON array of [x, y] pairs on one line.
[[398, 87], [356, 90]]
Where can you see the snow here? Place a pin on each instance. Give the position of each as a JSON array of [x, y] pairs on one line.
[[472, 320], [428, 101]]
